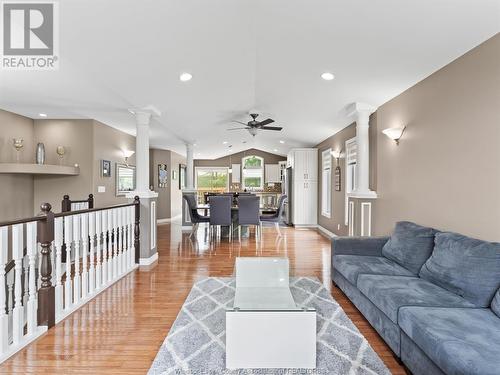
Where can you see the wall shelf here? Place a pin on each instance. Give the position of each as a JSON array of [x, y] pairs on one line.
[[37, 169]]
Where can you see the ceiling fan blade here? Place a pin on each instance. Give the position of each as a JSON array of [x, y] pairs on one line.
[[278, 128], [239, 122], [237, 129], [265, 122]]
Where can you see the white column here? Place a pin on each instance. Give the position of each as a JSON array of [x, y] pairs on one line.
[[361, 112], [189, 166], [142, 150]]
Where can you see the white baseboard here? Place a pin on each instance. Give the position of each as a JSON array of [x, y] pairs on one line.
[[168, 220], [187, 228], [325, 232], [147, 261]]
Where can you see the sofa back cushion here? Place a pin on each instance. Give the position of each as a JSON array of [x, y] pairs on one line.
[[465, 266], [410, 245], [495, 305]]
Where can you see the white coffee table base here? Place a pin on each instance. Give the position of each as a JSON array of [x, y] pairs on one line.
[[265, 329]]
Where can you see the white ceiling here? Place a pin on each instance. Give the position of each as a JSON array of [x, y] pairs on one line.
[[245, 54]]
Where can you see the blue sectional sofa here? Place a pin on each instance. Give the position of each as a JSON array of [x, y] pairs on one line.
[[433, 296]]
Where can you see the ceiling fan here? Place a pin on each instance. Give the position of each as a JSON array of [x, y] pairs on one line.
[[253, 126]]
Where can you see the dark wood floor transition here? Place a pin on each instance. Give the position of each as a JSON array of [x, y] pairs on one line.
[[121, 330]]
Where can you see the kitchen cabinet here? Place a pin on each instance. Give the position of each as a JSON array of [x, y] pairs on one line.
[[272, 173], [304, 163]]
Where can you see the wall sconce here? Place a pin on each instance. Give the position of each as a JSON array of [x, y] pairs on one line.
[[336, 154], [394, 133], [127, 154]]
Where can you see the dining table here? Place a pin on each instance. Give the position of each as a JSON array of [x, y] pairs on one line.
[[234, 217]]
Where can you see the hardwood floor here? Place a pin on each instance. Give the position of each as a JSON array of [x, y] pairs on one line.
[[121, 330]]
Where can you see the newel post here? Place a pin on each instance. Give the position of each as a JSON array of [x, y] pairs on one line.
[[91, 201], [137, 231], [65, 204], [46, 294]]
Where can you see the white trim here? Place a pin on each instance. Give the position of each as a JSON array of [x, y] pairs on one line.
[[168, 220], [369, 205], [153, 224], [326, 207], [147, 261], [186, 228], [347, 180], [325, 232], [351, 218]]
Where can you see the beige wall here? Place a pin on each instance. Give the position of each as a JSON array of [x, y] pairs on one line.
[[170, 197], [236, 159], [109, 144], [446, 171], [336, 222], [77, 138], [16, 190]]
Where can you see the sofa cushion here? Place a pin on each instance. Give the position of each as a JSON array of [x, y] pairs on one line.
[[410, 245], [495, 304], [350, 266], [464, 266], [459, 341], [389, 293]]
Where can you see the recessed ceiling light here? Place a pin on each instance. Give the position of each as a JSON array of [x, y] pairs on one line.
[[224, 143], [282, 142], [184, 77], [275, 150], [327, 76], [42, 114]]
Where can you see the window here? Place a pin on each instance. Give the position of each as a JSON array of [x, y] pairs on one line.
[[211, 179], [326, 183], [253, 172], [350, 180]]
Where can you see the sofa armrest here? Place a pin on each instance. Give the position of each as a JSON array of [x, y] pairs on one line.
[[370, 246]]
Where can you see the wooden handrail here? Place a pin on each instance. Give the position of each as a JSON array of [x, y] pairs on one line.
[[21, 221], [69, 213]]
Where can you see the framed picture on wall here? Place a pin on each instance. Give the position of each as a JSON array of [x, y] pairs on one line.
[[125, 179], [162, 175], [338, 182], [182, 176], [105, 168]]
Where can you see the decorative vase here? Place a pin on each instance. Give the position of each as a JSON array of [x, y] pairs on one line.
[[40, 153], [18, 145]]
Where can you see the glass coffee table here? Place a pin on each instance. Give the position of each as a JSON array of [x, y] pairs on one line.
[[265, 328]]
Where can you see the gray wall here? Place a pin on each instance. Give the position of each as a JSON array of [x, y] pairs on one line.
[[169, 201], [336, 222], [16, 197], [446, 171]]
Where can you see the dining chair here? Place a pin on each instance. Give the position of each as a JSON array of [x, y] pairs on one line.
[[276, 217], [196, 218], [248, 213], [220, 213]]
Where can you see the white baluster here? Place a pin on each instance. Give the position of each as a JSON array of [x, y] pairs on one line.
[[76, 241], [91, 256], [58, 242], [26, 285], [68, 239], [110, 245], [85, 246], [98, 230], [31, 247], [120, 240], [127, 251], [115, 242], [17, 255], [104, 278], [4, 319]]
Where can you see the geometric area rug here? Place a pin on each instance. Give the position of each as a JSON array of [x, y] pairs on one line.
[[196, 341]]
